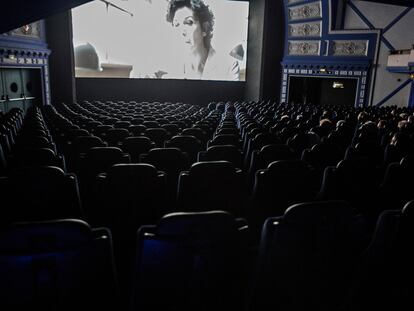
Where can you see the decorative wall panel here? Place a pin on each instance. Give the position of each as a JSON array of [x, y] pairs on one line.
[[304, 48], [305, 11], [349, 48], [312, 29]]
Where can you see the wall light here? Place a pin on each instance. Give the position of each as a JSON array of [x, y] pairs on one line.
[[322, 70], [337, 85]]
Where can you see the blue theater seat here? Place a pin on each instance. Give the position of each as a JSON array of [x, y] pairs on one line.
[[190, 261], [56, 265]]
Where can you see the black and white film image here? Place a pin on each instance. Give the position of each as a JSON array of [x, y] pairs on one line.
[[161, 39]]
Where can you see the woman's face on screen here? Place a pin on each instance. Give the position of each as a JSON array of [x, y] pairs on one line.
[[189, 28]]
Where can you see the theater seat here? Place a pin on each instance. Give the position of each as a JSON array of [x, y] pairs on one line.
[[395, 190], [187, 144], [39, 193], [387, 270], [115, 136], [282, 184], [211, 185], [97, 160], [131, 195], [228, 153], [56, 265], [306, 258], [137, 145], [190, 261], [171, 161], [39, 157], [260, 159], [157, 135], [355, 181]]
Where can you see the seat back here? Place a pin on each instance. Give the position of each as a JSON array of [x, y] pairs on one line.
[[306, 258], [56, 265], [40, 193], [228, 153], [190, 261], [211, 185]]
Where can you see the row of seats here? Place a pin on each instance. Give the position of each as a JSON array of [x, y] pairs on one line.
[[282, 182], [284, 152], [310, 257]]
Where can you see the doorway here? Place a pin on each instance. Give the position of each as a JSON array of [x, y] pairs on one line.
[[322, 91]]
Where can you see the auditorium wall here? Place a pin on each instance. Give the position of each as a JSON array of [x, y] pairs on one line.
[[397, 23], [262, 77]]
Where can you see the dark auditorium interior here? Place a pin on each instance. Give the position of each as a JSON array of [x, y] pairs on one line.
[[288, 189]]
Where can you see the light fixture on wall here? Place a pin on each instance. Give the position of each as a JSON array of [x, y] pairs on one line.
[[337, 85], [323, 70], [412, 76]]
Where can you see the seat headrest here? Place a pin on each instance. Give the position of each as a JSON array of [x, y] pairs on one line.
[[408, 210], [272, 148], [212, 168], [284, 165], [222, 148], [408, 162], [98, 152], [44, 236], [316, 213], [142, 139], [38, 172], [91, 139], [122, 171], [196, 224], [171, 152]]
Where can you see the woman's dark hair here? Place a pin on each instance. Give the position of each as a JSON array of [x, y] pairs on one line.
[[201, 11]]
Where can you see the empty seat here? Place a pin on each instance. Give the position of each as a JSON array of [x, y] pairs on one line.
[[173, 129], [211, 185], [188, 144], [280, 185], [306, 258], [39, 193], [39, 157], [137, 130], [197, 133], [321, 156], [366, 151], [131, 195], [171, 161], [260, 159], [56, 265], [157, 135], [190, 261], [395, 189], [101, 130], [257, 143], [387, 271], [79, 146], [137, 145], [228, 153], [302, 141], [97, 160], [225, 139], [354, 181], [122, 125], [114, 136]]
